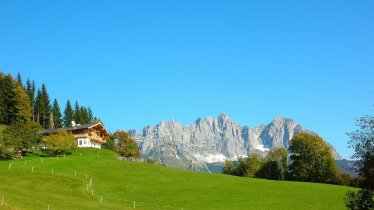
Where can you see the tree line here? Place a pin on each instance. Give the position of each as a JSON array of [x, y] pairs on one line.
[[26, 110], [310, 160], [26, 102]]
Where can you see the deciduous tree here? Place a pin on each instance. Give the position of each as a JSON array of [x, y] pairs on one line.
[[59, 143], [248, 166], [21, 103], [311, 160], [275, 165], [125, 145], [22, 135], [228, 168], [362, 141]]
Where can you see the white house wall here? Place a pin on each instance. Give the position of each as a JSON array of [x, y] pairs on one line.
[[87, 143]]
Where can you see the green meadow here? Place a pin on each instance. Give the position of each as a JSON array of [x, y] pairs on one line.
[[95, 179]]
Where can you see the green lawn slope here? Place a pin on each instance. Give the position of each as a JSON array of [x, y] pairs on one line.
[[65, 183]]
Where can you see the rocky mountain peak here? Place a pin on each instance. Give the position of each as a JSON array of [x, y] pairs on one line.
[[212, 140], [223, 117]]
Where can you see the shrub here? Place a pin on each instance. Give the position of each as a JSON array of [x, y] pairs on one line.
[[151, 161], [361, 200], [60, 143]]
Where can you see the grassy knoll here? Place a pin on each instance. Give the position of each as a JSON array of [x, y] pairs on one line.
[[151, 186]]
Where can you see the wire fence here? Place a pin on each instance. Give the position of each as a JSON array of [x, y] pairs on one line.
[[87, 181]]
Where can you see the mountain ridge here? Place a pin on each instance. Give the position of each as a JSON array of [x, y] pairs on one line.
[[210, 140]]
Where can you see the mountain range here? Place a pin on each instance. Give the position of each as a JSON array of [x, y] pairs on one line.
[[205, 144]]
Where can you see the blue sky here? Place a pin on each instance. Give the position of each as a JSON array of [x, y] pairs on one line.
[[138, 62]]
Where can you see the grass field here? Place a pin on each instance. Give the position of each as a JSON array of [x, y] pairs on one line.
[[30, 184]]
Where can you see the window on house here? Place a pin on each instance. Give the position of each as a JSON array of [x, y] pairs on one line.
[[80, 142]]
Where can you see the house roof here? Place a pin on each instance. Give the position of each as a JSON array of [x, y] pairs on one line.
[[74, 128]]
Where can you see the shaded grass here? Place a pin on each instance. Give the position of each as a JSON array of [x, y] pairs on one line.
[[151, 186]]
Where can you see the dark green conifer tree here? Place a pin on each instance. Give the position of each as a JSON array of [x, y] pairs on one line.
[[19, 79], [90, 115], [77, 113], [38, 104], [7, 109], [56, 112], [84, 115], [30, 89], [68, 114], [46, 108]]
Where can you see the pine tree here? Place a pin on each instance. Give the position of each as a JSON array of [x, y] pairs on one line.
[[7, 110], [19, 79], [90, 115], [2, 98], [57, 121], [30, 89], [68, 114], [46, 108], [77, 113], [38, 106]]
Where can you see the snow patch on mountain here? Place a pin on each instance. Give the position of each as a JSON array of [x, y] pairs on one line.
[[261, 147], [210, 158]]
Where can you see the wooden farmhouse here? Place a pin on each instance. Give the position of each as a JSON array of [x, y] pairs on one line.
[[87, 135]]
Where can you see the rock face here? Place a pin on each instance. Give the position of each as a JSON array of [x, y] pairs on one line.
[[210, 140]]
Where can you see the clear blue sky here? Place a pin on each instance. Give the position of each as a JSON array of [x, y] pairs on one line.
[[138, 62]]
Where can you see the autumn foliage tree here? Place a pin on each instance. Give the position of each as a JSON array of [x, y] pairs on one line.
[[125, 145], [59, 143], [21, 102]]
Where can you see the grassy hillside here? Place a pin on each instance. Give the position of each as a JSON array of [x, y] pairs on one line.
[[151, 186]]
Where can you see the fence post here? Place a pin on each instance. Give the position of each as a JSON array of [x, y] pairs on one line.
[[92, 191], [101, 199], [10, 166], [87, 187], [134, 205], [75, 173], [32, 169], [48, 206], [52, 171], [2, 201]]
